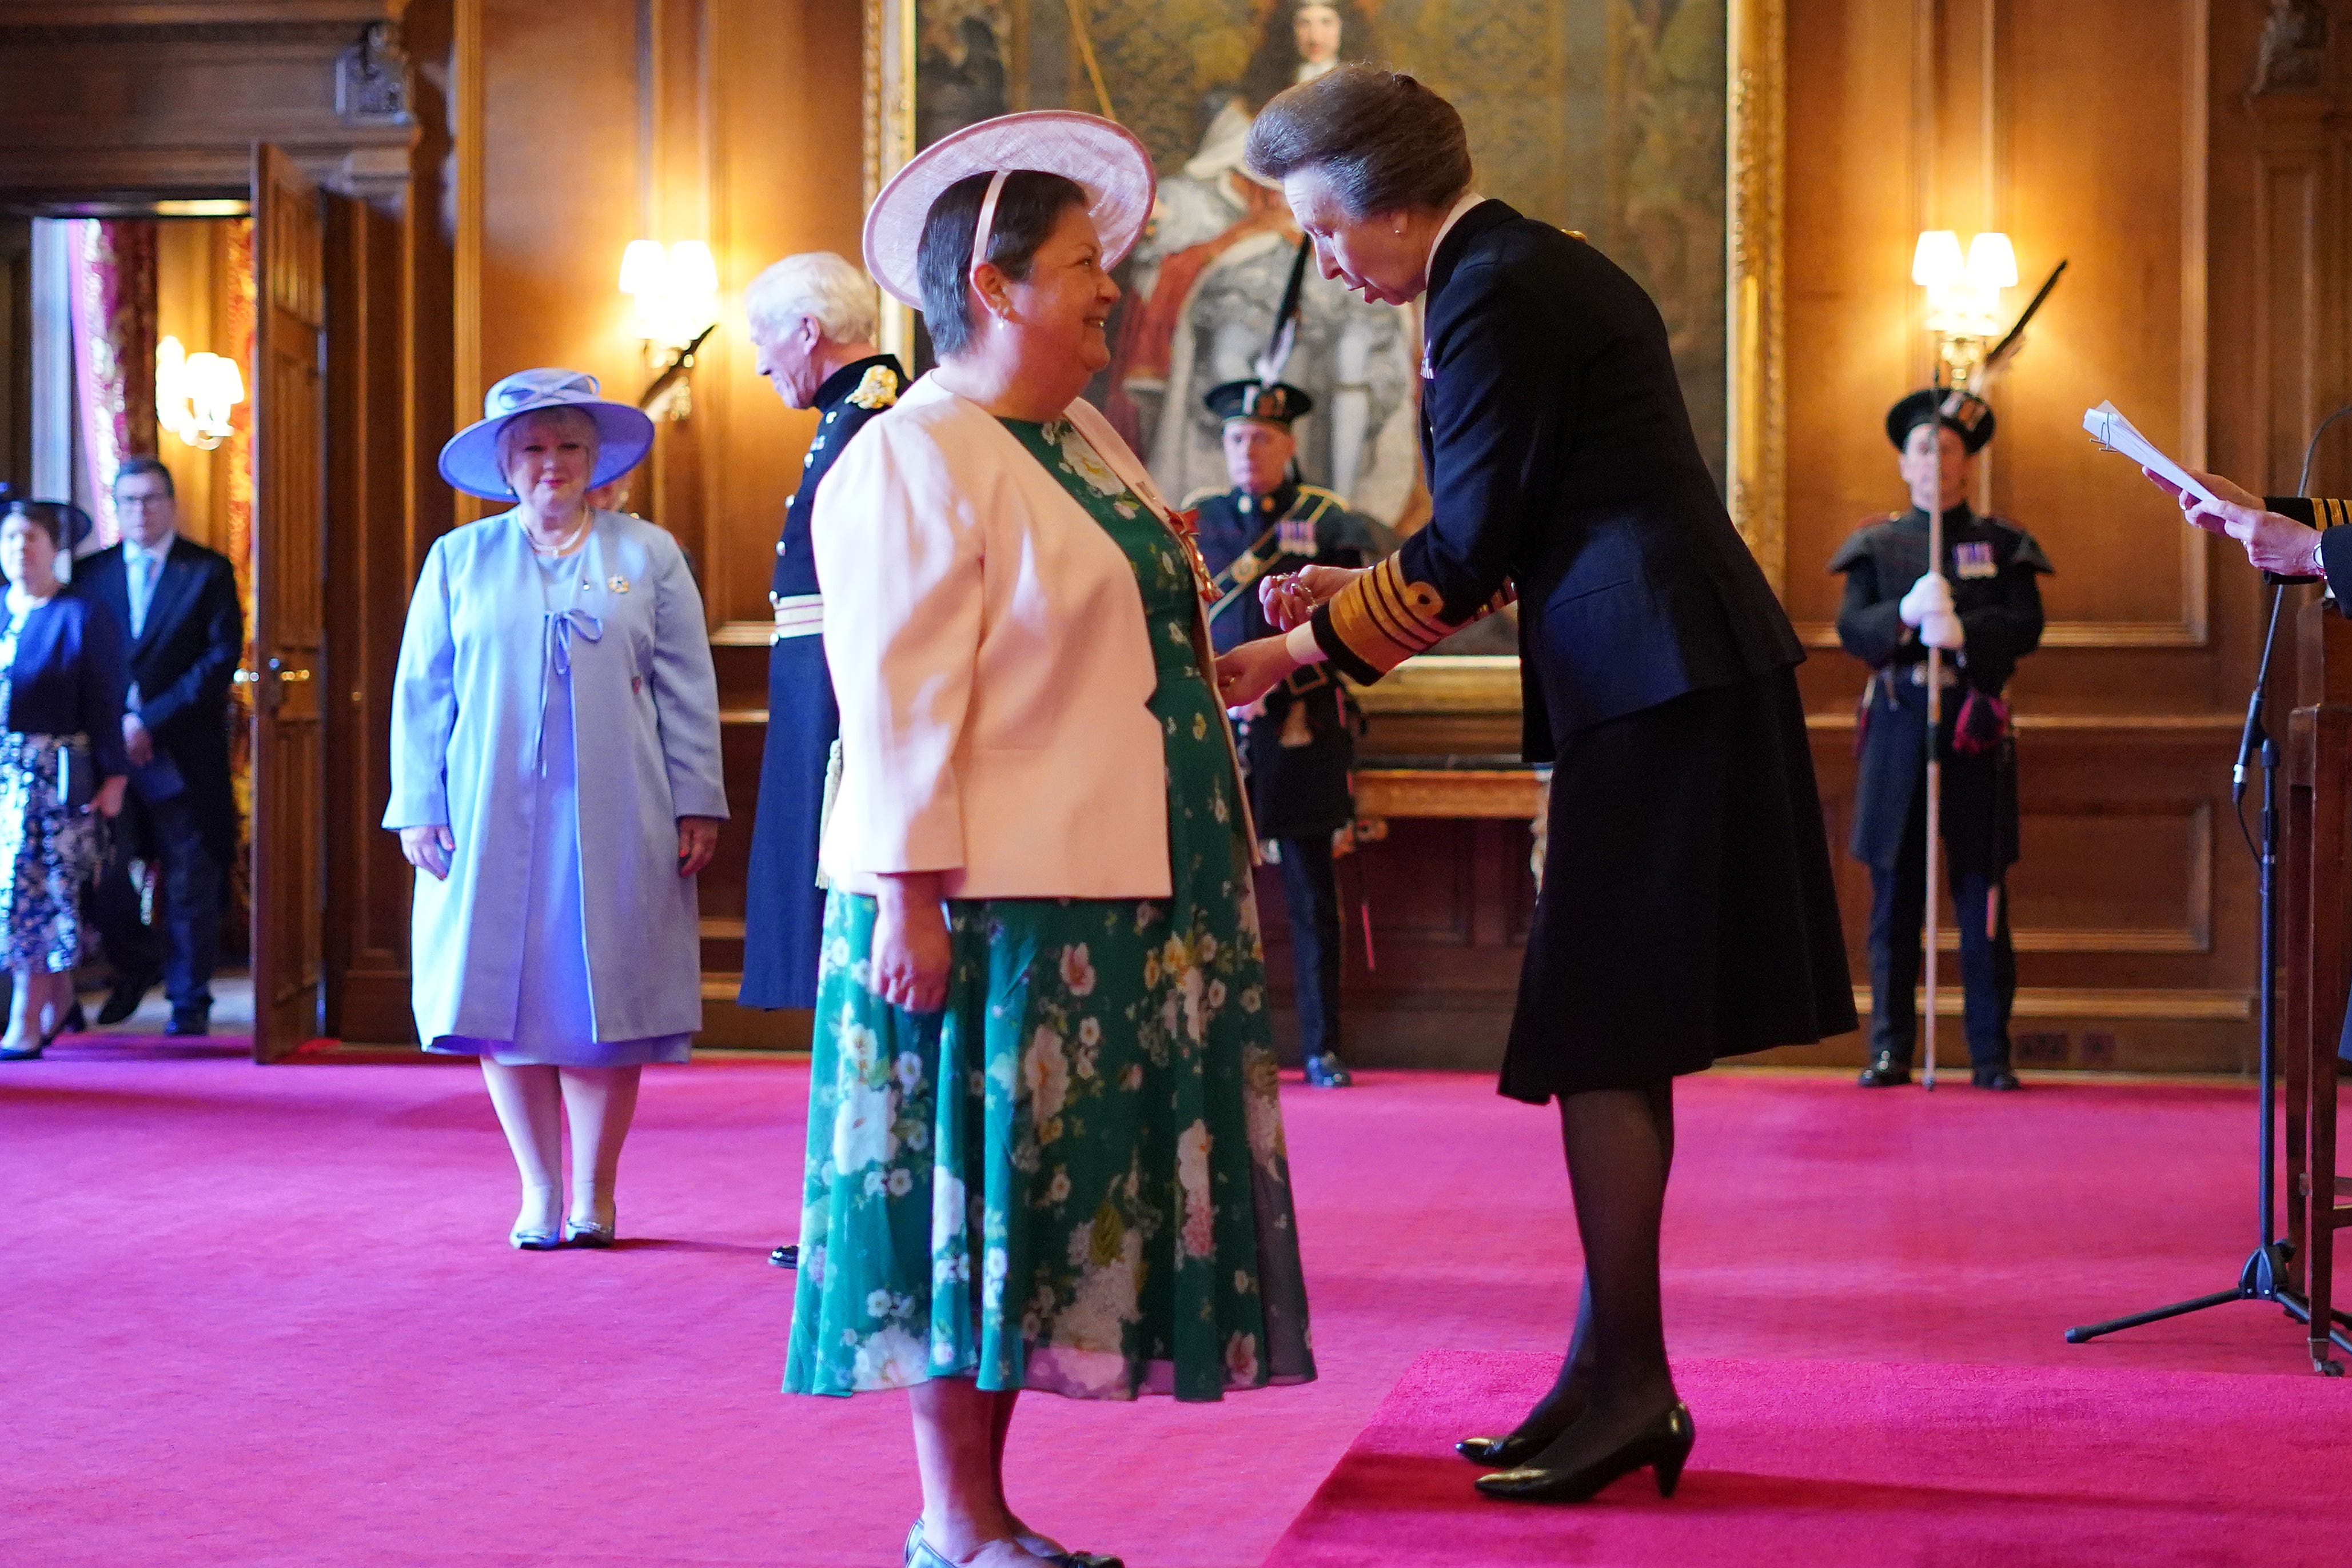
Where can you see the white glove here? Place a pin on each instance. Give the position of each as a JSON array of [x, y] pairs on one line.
[[1930, 595], [1928, 609]]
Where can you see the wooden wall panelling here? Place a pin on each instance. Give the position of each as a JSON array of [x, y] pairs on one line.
[[2083, 130], [170, 98], [1450, 900]]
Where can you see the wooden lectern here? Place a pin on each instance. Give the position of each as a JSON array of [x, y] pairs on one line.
[[2316, 959]]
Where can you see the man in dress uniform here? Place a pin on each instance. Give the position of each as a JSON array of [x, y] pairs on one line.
[[1893, 610], [1299, 740], [813, 327]]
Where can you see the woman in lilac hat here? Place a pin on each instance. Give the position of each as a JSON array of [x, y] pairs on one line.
[[555, 933]]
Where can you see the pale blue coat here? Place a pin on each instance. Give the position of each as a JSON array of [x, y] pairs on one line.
[[465, 712]]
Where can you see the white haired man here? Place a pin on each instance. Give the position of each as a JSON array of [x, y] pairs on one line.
[[812, 320]]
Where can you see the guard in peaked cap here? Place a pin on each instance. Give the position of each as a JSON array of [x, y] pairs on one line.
[[1299, 740], [1994, 568]]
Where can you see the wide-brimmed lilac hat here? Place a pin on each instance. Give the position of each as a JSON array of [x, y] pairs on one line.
[[1102, 155], [623, 434]]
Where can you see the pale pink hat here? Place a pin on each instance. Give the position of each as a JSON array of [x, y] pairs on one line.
[[1100, 154]]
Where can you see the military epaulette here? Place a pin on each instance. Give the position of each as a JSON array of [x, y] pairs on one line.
[[1205, 493], [877, 389]]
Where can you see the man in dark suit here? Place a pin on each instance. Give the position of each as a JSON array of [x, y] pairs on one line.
[[178, 605], [1299, 738]]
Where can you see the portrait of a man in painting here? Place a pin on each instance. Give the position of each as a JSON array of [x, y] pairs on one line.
[[1607, 117]]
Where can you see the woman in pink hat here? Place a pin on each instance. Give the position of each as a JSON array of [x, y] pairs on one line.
[[1045, 1148], [555, 782]]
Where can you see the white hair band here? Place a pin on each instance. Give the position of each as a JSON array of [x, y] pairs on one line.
[[987, 225]]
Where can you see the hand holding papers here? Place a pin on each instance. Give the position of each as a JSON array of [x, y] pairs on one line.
[[2111, 429]]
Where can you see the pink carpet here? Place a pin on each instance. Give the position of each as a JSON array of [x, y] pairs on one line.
[[267, 1316], [1869, 1462]]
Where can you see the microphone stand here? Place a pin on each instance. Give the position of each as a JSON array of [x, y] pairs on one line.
[[2264, 1276]]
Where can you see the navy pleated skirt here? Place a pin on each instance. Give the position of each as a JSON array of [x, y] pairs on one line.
[[1687, 912]]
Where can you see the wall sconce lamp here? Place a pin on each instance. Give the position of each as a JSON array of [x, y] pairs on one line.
[[675, 293], [195, 393], [1964, 296]]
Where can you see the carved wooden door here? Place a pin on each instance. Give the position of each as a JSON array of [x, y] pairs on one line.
[[285, 675]]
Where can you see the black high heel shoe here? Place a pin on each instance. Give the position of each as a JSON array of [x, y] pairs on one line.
[[1661, 1447], [1507, 1452], [1516, 1447]]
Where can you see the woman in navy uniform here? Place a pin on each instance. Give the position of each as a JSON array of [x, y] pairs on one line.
[[1993, 567], [812, 323], [1301, 740], [1687, 910]]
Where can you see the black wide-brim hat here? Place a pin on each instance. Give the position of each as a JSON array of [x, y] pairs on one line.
[[1966, 413], [68, 523]]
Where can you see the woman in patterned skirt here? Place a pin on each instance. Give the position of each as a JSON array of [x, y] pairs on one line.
[[62, 765], [1044, 1148]]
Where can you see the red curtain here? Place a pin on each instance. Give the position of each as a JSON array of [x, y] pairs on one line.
[[112, 278]]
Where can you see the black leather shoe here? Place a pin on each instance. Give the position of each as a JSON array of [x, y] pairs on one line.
[[190, 1021], [1995, 1078], [1661, 1447], [788, 1255], [1328, 1071], [124, 998], [1884, 1072]]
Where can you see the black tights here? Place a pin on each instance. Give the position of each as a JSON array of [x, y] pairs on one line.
[[1620, 1144]]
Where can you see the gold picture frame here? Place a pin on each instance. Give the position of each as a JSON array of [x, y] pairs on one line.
[[1755, 432]]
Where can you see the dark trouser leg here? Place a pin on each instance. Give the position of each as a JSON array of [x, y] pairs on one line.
[[1898, 907], [1988, 967], [1310, 887], [192, 905], [135, 949]]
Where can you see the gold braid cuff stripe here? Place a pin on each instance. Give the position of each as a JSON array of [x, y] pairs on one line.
[[1383, 619]]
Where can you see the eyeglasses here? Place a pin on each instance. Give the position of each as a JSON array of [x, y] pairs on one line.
[[139, 503]]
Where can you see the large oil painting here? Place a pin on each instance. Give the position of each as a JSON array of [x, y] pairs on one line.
[[1613, 118]]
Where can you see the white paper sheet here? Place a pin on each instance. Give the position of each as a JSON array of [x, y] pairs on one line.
[[2111, 429]]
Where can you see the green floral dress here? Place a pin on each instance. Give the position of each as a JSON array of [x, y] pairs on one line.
[[1073, 1178]]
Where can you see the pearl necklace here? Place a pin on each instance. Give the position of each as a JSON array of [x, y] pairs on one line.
[[563, 546]]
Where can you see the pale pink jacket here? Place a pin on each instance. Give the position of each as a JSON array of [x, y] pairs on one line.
[[992, 662]]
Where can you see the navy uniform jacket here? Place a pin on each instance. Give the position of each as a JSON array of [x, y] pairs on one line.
[[1561, 460], [182, 662], [784, 913], [1295, 790], [1994, 568]]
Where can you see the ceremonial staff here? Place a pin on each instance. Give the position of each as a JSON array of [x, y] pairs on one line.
[[1964, 353]]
